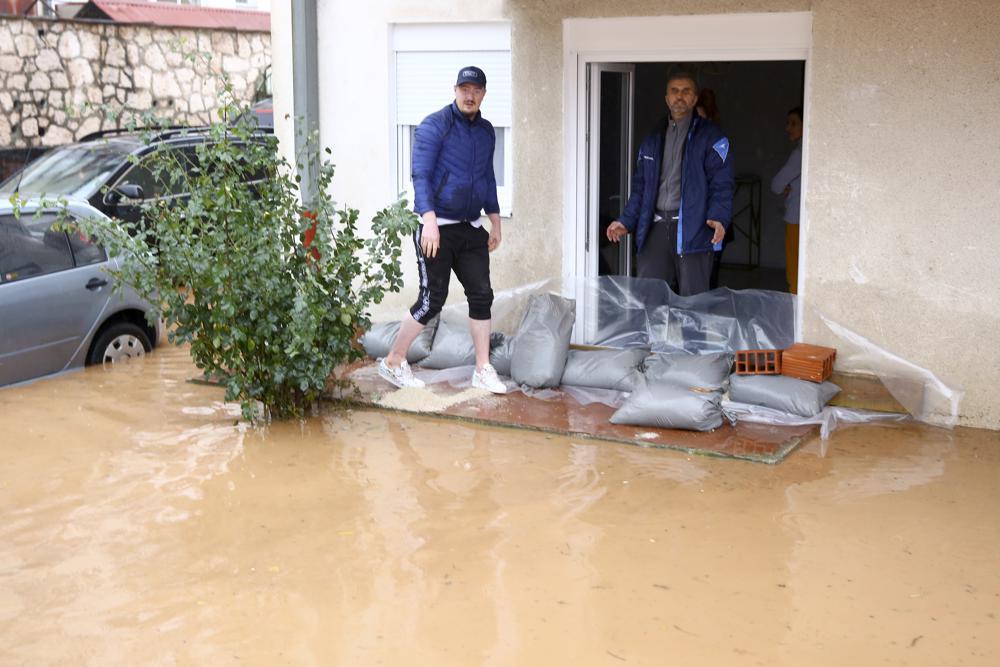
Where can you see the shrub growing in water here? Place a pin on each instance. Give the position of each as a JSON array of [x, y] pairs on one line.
[[232, 277]]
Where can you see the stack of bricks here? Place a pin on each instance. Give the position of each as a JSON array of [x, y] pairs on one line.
[[805, 362]]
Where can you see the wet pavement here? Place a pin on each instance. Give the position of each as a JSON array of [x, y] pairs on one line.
[[142, 523]]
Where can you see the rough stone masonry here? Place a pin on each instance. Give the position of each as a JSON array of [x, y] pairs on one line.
[[50, 71]]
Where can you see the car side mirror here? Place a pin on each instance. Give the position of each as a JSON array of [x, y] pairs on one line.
[[127, 191]]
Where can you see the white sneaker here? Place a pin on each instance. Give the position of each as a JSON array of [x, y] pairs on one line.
[[402, 376], [486, 378]]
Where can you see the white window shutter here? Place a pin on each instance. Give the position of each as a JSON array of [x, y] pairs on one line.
[[425, 82]]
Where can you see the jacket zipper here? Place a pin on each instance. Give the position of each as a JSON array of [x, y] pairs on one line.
[[472, 170], [680, 209]]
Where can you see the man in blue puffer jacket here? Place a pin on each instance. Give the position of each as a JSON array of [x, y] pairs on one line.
[[453, 183], [681, 199]]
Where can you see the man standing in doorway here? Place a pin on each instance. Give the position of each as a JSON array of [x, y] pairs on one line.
[[453, 183], [681, 199], [788, 183]]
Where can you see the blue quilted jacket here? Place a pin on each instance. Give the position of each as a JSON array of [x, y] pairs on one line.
[[453, 165], [707, 186]]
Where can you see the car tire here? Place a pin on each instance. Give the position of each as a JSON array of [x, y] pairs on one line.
[[119, 342]]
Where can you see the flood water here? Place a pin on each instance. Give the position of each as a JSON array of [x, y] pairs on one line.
[[143, 524]]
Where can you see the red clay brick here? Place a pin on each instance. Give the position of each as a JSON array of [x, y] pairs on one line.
[[758, 362]]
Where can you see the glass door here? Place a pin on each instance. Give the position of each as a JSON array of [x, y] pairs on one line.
[[609, 165]]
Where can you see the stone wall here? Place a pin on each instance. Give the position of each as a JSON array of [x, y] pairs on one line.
[[51, 70]]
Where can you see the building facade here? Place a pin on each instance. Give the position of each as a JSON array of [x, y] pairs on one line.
[[901, 162]]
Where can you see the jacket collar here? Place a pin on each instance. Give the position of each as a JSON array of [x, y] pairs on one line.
[[696, 120], [461, 116]]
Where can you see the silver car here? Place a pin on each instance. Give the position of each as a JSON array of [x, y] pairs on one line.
[[57, 307]]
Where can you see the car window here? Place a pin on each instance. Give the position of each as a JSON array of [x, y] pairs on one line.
[[142, 175], [71, 170], [85, 251], [159, 178], [30, 247]]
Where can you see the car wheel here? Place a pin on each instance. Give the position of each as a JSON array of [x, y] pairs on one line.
[[119, 342]]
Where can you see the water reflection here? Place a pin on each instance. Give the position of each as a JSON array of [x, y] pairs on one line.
[[144, 523]]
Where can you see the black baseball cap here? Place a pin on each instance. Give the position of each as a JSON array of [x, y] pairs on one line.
[[471, 74]]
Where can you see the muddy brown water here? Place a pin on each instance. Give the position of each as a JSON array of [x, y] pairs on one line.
[[142, 524]]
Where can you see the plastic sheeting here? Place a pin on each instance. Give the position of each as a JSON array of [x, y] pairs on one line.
[[616, 311], [828, 419], [620, 312], [921, 392]]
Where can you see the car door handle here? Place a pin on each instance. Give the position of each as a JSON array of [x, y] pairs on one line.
[[96, 283]]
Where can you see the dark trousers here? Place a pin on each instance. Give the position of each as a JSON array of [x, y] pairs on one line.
[[687, 274], [464, 249]]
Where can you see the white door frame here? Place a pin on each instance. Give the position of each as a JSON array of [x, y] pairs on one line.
[[594, 156], [715, 37]]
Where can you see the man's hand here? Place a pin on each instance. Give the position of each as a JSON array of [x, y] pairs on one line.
[[495, 235], [616, 230], [430, 235], [720, 230]]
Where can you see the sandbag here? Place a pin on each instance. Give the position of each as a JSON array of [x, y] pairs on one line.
[[542, 341], [703, 371], [664, 405], [603, 369], [452, 347], [780, 392], [500, 348], [379, 339]]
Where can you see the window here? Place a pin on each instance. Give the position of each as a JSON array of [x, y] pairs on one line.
[[72, 170], [30, 247], [427, 58], [85, 251]]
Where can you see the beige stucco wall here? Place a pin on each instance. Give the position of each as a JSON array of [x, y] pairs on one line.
[[903, 173], [903, 169]]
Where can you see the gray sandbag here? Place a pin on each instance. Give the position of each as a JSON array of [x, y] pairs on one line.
[[500, 348], [542, 341], [604, 369], [452, 347], [780, 392], [379, 339], [664, 405], [704, 371]]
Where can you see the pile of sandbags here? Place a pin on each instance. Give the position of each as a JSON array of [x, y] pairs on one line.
[[675, 390]]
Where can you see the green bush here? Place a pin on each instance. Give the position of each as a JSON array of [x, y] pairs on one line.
[[231, 275]]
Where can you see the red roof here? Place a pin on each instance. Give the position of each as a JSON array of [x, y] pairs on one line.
[[177, 16]]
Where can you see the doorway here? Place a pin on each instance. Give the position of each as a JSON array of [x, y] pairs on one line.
[[625, 103], [639, 40]]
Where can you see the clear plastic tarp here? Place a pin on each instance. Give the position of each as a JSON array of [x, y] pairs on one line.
[[620, 312], [616, 311]]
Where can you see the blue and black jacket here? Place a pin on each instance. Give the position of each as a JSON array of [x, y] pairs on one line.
[[453, 165], [707, 185]]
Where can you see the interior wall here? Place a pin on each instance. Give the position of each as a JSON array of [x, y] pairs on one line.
[[753, 99]]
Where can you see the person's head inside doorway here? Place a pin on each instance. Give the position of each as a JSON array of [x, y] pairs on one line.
[[682, 94], [707, 106], [793, 124], [470, 89]]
